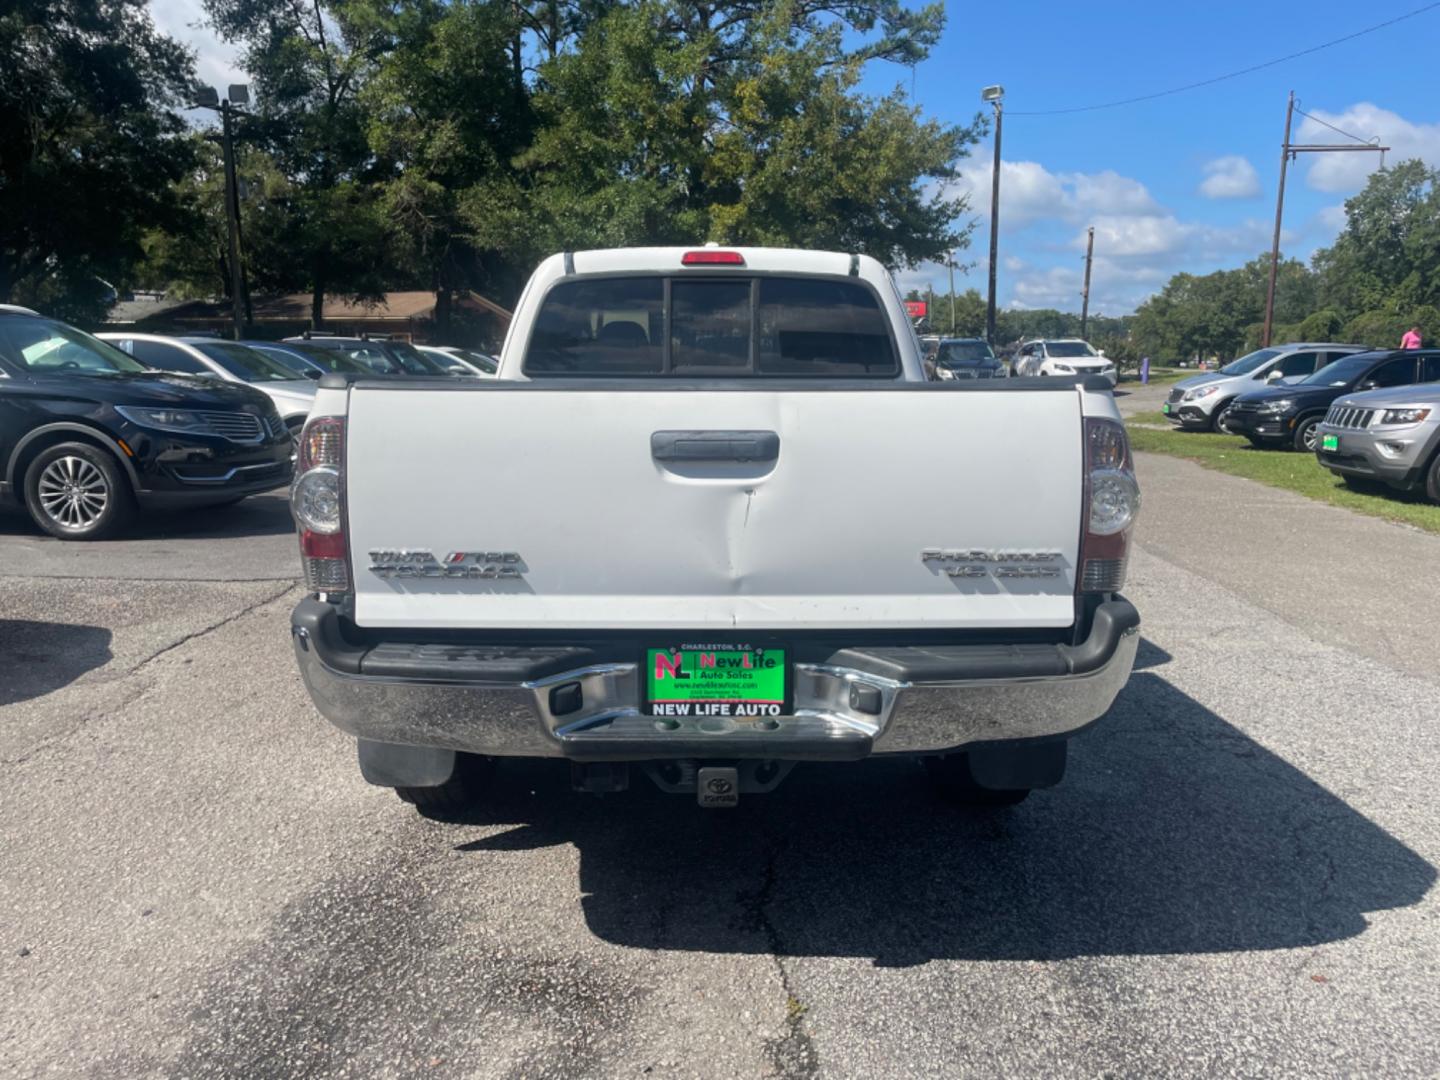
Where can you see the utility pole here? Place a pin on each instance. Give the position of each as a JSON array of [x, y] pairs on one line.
[[995, 95], [950, 265], [232, 215], [1085, 295], [1290, 150]]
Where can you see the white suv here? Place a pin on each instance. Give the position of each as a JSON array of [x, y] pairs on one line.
[[1201, 402], [1063, 356]]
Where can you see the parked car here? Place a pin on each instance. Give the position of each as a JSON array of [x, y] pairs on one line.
[[675, 582], [1389, 436], [88, 434], [461, 361], [1063, 356], [383, 356], [307, 360], [292, 393], [968, 358], [1202, 402], [1289, 416]]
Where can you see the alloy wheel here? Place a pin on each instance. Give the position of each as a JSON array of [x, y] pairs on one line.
[[73, 492]]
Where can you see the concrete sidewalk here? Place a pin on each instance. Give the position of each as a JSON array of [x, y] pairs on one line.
[[1341, 578]]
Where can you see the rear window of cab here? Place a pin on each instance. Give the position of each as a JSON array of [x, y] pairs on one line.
[[732, 326]]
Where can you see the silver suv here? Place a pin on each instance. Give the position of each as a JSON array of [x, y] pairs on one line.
[[1389, 436], [1200, 402]]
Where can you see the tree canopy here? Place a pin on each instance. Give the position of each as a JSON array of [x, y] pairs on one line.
[[90, 147]]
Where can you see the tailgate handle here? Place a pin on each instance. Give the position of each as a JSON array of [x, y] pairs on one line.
[[714, 445]]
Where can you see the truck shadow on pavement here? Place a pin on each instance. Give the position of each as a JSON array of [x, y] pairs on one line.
[[1174, 832], [37, 658]]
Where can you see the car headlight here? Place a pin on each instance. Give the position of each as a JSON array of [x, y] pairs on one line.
[[1065, 369], [164, 419], [1403, 416], [1283, 405], [1200, 392]]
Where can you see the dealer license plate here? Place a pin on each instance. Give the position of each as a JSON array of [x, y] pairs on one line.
[[1165, 408], [726, 680], [1329, 442]]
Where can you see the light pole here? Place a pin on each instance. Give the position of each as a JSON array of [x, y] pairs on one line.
[[950, 263], [995, 95], [237, 96]]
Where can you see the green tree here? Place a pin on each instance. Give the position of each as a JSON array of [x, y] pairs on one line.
[[444, 126], [90, 145], [669, 121], [1212, 315], [309, 63], [1387, 258]]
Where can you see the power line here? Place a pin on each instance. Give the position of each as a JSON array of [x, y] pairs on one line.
[[1231, 74], [1332, 127]]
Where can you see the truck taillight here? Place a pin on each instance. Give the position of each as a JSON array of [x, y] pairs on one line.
[[317, 499], [1112, 500]]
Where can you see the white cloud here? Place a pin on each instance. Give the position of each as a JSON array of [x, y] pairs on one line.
[[216, 62], [1346, 173], [1106, 193], [1230, 177], [1030, 192]]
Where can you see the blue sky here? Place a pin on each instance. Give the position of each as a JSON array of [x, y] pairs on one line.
[[1185, 182]]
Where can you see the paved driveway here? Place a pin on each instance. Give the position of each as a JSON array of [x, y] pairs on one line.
[[1235, 878]]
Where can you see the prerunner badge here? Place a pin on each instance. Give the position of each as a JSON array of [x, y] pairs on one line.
[[735, 682]]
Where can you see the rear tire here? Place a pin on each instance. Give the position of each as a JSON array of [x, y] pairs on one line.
[[467, 785], [77, 491], [954, 782]]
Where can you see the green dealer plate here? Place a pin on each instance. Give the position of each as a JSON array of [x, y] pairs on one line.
[[1329, 442], [735, 681], [1165, 408]]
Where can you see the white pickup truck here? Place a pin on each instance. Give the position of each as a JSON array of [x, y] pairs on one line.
[[711, 521]]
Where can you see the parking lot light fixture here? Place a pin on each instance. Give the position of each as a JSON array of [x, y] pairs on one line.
[[236, 97], [995, 95]]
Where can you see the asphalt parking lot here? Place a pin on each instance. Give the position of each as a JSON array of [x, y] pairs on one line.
[[1237, 876]]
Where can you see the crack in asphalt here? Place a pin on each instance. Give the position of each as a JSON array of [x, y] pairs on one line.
[[126, 699], [792, 1052]]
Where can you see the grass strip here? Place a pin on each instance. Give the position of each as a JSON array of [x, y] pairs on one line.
[[1287, 470]]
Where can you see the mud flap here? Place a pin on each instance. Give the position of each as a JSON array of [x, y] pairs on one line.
[[394, 765]]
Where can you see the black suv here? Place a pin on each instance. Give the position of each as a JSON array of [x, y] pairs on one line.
[[1288, 415], [383, 356], [87, 434]]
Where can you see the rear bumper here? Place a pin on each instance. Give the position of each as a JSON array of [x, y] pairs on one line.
[[561, 702]]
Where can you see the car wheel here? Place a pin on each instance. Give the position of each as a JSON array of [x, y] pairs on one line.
[[1432, 480], [953, 781], [76, 491], [1307, 434], [467, 785], [295, 425], [1221, 418]]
